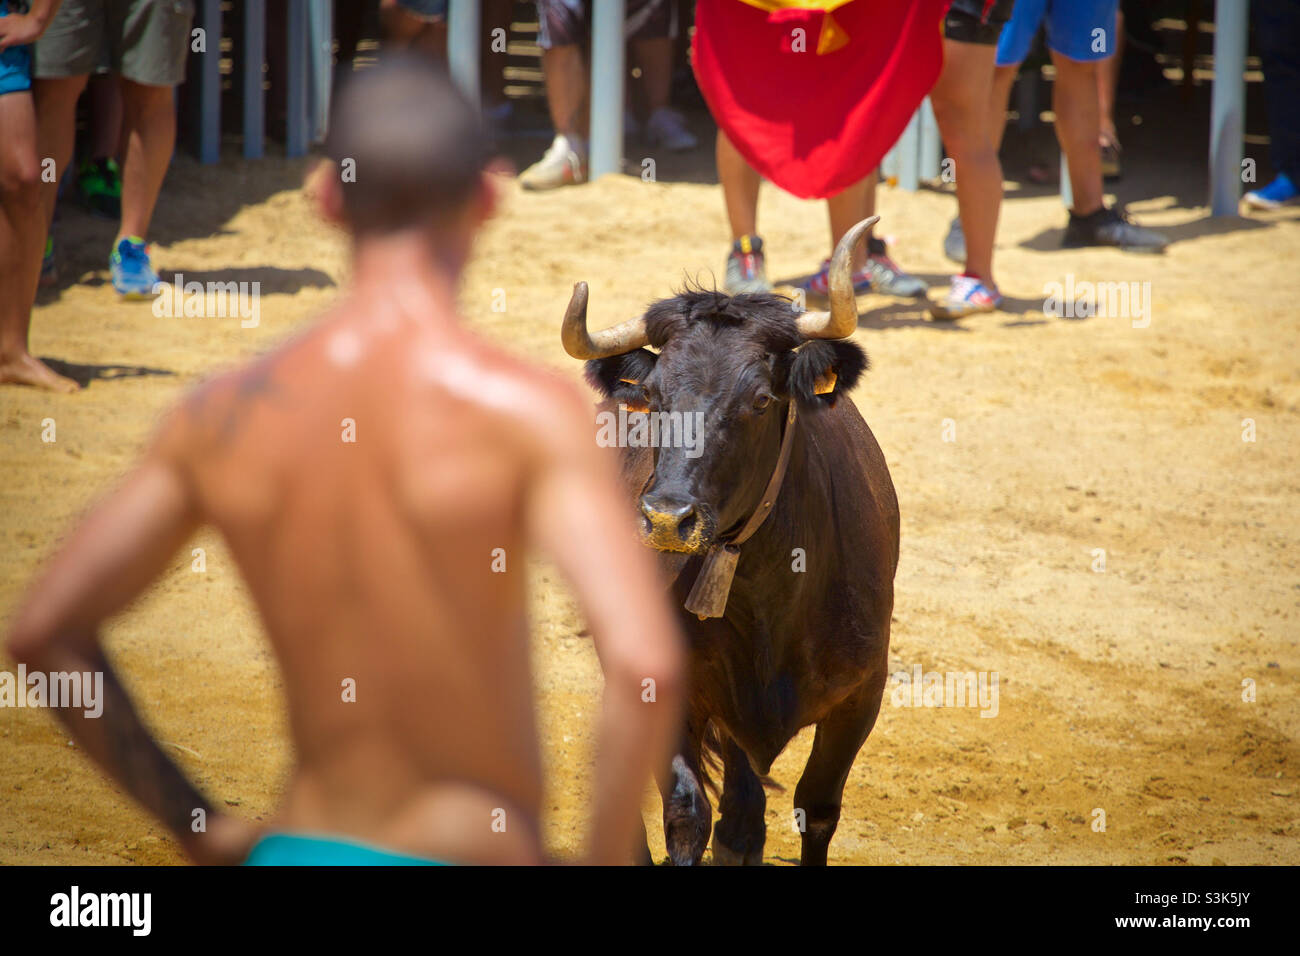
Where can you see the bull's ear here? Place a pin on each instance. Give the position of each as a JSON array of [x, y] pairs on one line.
[[823, 370], [622, 377]]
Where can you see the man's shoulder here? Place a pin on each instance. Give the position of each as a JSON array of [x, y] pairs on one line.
[[502, 386]]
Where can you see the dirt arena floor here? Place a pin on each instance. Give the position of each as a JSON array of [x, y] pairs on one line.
[[1120, 690]]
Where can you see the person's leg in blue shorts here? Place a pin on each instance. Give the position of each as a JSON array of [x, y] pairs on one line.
[[1080, 34], [21, 233]]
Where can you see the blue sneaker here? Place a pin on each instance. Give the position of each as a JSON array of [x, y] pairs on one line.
[[1276, 194], [133, 276]]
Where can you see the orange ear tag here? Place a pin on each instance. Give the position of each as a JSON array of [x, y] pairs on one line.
[[826, 384]]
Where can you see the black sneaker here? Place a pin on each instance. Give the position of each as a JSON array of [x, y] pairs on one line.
[[1110, 227]]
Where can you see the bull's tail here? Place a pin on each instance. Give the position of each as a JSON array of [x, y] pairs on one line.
[[710, 762]]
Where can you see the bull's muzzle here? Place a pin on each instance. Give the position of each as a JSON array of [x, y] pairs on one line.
[[673, 524]]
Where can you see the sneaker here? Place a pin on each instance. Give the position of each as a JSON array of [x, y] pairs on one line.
[[954, 244], [746, 267], [564, 164], [1110, 227], [966, 296], [819, 283], [667, 128], [886, 277], [99, 184], [1273, 196], [133, 275], [49, 269]]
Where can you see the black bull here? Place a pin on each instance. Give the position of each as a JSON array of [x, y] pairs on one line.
[[804, 638]]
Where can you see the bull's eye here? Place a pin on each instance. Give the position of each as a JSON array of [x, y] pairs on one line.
[[762, 401]]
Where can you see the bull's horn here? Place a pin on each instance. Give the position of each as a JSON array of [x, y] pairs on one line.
[[581, 344], [842, 320]]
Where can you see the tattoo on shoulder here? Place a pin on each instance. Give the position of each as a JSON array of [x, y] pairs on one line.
[[226, 416]]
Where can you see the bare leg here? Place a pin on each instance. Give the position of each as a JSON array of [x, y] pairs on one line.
[[961, 101], [1108, 81], [21, 234], [56, 115], [149, 135], [655, 57], [403, 30], [849, 207], [566, 90], [1074, 100], [105, 117], [740, 184], [1004, 77]]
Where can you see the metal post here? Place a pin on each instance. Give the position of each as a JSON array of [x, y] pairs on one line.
[[320, 59], [463, 46], [254, 59], [929, 149], [295, 139], [607, 72], [210, 83], [909, 145], [1067, 191], [1227, 106]]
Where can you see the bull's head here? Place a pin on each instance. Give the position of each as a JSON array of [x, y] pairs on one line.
[[730, 365]]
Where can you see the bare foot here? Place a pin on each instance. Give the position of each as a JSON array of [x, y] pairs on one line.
[[27, 369]]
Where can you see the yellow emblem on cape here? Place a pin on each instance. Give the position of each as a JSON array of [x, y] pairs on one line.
[[832, 36]]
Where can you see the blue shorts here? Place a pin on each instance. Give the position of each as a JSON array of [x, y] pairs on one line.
[[292, 849], [15, 63], [1082, 30], [431, 11]]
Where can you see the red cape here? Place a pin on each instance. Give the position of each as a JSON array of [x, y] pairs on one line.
[[815, 122]]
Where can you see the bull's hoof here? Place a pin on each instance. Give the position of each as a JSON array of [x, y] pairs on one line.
[[724, 855], [686, 844]]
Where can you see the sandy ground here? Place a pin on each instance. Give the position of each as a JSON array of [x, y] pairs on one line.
[[1120, 690]]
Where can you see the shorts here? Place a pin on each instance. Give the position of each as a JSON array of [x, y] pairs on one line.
[[1082, 30], [976, 21], [15, 61], [431, 11], [568, 22], [146, 41], [292, 849]]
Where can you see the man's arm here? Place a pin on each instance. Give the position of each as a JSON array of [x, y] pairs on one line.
[[20, 29], [580, 517], [116, 552]]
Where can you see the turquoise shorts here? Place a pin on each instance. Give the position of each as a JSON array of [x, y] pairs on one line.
[[290, 849], [15, 61]]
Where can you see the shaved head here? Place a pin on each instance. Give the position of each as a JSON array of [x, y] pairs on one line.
[[416, 144]]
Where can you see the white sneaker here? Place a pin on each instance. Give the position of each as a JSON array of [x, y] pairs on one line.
[[564, 164], [667, 128]]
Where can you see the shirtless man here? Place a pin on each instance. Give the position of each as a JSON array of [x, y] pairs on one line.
[[371, 560]]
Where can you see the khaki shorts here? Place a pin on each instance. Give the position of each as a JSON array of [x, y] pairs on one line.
[[144, 40]]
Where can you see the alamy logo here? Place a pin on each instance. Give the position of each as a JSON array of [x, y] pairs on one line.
[[1113, 300], [218, 300], [922, 688], [132, 910], [651, 430], [61, 689]]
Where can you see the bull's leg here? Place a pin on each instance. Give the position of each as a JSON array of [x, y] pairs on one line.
[[820, 792], [738, 838], [688, 815]]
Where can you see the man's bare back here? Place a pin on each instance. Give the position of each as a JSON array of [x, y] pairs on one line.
[[380, 481], [364, 485]]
